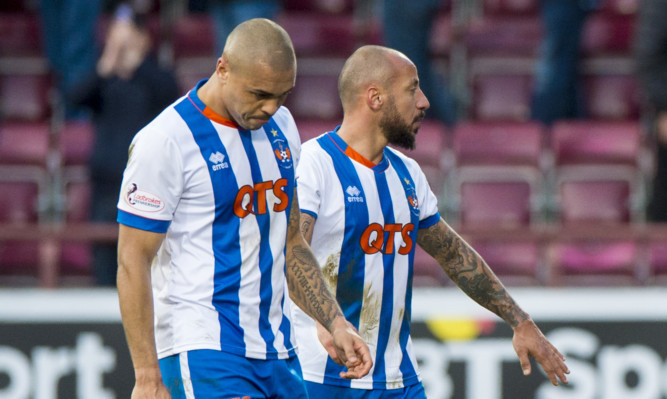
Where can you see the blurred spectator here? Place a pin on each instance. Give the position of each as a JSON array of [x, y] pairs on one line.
[[407, 28], [68, 28], [651, 54], [126, 91], [227, 14], [557, 92]]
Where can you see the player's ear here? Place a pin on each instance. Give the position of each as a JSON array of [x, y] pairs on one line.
[[374, 98], [222, 68]]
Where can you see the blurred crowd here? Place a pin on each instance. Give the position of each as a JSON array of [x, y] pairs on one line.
[[116, 64]]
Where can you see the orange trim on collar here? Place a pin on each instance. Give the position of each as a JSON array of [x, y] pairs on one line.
[[350, 152], [210, 114]]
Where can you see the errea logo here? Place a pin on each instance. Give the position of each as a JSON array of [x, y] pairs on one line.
[[354, 194], [218, 161]]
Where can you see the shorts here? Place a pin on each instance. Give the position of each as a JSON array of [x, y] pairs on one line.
[[211, 374], [323, 391]]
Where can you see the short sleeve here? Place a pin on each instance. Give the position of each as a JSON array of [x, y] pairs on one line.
[[310, 179], [152, 182], [428, 202]]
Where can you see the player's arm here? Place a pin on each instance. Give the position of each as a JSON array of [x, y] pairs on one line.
[[472, 275], [308, 291], [136, 250]]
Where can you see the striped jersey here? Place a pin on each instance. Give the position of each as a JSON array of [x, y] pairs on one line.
[[364, 238], [222, 195]]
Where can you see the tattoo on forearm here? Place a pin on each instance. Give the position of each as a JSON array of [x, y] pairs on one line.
[[306, 225], [469, 271], [307, 287]]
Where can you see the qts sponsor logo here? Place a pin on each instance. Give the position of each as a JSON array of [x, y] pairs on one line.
[[142, 200], [374, 239], [252, 199]]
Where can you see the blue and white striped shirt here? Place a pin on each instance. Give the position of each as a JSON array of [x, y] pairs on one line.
[[364, 238], [222, 195]]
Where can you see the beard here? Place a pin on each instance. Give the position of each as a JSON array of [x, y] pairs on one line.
[[396, 130]]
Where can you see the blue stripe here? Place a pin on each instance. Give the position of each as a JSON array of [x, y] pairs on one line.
[[170, 367], [429, 221], [311, 213], [277, 138], [225, 230], [142, 223], [265, 256], [379, 375], [407, 369], [351, 269]]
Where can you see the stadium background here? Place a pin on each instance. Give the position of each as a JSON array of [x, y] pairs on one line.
[[558, 212]]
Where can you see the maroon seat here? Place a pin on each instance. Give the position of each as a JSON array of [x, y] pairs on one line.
[[24, 97], [20, 34], [19, 206], [595, 260], [657, 261], [76, 142], [501, 97], [495, 204], [24, 143], [612, 96], [506, 35], [594, 201], [325, 6], [605, 33], [427, 272], [320, 34], [430, 152], [516, 263], [311, 128], [194, 36], [498, 143], [510, 7], [595, 142], [76, 258], [315, 97]]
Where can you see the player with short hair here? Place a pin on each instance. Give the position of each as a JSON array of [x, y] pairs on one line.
[[365, 207], [210, 222]]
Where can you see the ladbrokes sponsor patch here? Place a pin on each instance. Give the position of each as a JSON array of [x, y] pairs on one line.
[[142, 200]]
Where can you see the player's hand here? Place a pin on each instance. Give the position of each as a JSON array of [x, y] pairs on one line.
[[528, 341], [327, 342], [149, 385], [350, 350]]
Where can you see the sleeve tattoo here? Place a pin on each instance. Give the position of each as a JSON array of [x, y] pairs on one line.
[[469, 271], [304, 278]]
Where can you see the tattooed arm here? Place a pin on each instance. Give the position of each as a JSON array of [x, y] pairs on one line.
[[474, 277], [308, 290]]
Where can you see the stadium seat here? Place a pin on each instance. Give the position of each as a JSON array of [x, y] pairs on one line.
[[510, 7], [315, 97], [504, 35], [323, 6], [24, 143], [76, 142], [612, 96], [19, 34], [19, 206], [76, 258], [605, 33], [194, 36], [24, 97], [427, 272], [316, 34], [501, 97], [431, 152], [657, 262], [594, 263], [497, 184], [599, 151], [311, 128]]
